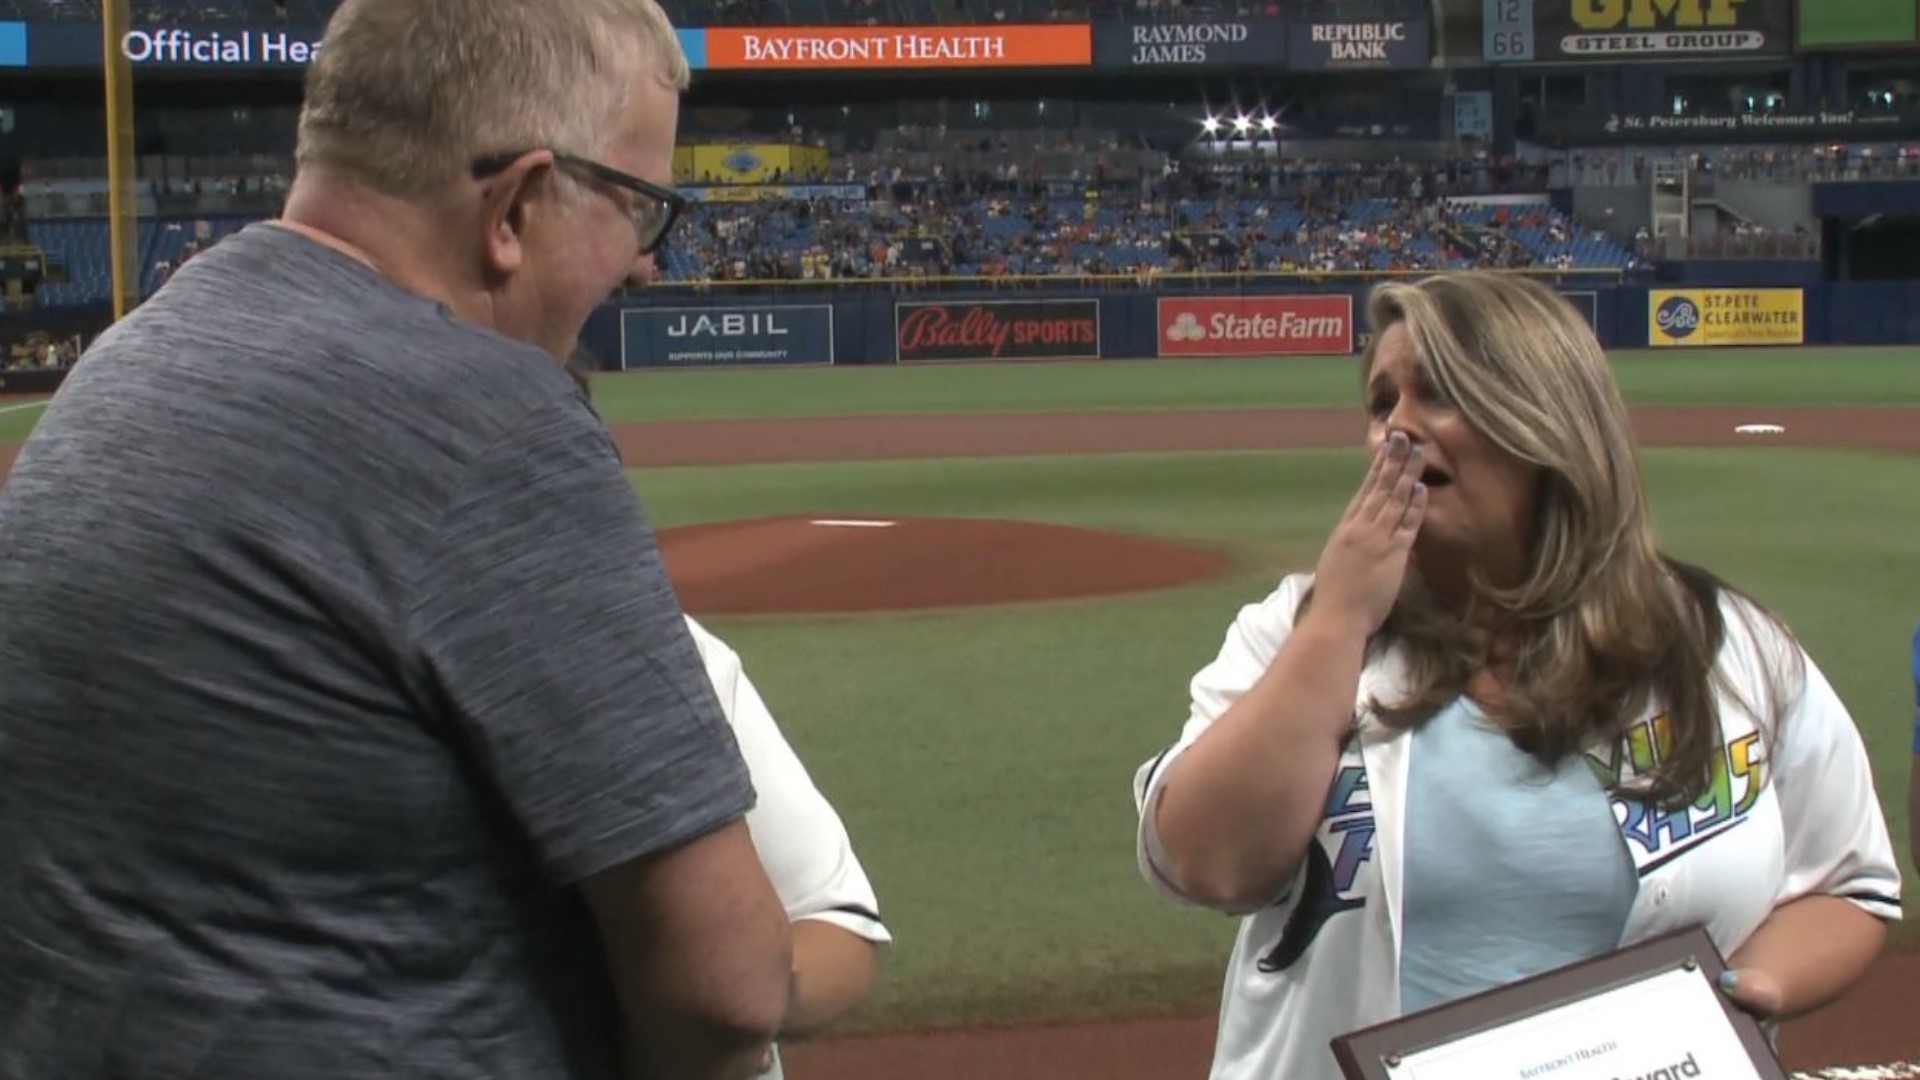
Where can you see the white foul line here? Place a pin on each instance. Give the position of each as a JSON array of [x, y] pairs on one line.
[[834, 523], [5, 409]]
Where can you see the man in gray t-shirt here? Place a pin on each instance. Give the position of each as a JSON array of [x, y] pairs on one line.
[[348, 724]]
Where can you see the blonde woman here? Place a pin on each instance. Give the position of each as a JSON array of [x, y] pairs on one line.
[[1497, 730]]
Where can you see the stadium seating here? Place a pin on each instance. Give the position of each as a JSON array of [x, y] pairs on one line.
[[83, 243], [991, 236], [1000, 236]]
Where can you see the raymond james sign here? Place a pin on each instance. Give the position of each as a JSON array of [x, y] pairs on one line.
[[1660, 29], [1225, 43], [1320, 45]]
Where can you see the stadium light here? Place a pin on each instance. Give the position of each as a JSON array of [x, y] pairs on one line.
[[1242, 124], [1210, 125], [1268, 124]]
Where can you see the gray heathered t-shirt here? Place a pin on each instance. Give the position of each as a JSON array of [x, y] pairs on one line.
[[334, 646]]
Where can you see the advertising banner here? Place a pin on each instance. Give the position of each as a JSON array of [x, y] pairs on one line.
[[1338, 44], [1690, 317], [786, 48], [998, 330], [13, 44], [746, 163], [1616, 30], [1473, 115], [1822, 125], [181, 47], [1255, 325], [1827, 24], [742, 193], [726, 336], [1218, 43], [193, 47]]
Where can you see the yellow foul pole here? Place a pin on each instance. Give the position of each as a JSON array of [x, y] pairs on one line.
[[122, 199]]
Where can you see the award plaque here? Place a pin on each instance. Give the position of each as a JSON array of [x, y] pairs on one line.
[[1652, 1011]]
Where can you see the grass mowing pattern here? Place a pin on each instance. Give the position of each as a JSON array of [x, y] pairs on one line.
[[1813, 376], [982, 758]]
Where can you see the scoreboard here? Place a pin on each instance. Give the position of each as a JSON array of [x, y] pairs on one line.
[[1507, 31]]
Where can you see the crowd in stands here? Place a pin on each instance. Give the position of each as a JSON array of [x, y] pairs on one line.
[[1087, 203], [1752, 240], [38, 352], [984, 217], [13, 216], [949, 230], [1631, 167]]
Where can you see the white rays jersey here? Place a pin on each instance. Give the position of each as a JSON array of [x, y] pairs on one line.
[[801, 840], [1789, 813]]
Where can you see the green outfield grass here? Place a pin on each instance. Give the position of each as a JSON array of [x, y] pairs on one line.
[[983, 758], [1812, 376], [1651, 377], [17, 418]]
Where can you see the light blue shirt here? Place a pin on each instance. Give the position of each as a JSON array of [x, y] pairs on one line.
[[1512, 868]]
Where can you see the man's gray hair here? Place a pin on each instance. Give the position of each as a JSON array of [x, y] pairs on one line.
[[405, 94]]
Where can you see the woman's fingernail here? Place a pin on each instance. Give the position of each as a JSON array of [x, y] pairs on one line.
[[1399, 440], [1729, 980], [1419, 488]]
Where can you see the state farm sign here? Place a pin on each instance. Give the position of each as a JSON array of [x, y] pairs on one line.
[[1256, 325]]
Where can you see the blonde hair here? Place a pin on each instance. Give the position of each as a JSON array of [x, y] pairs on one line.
[[405, 94], [1605, 623]]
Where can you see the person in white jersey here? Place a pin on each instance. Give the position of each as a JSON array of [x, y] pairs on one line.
[[1497, 730], [1913, 774], [802, 843], [808, 857]]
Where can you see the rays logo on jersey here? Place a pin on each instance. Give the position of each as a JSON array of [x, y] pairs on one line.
[[1342, 846], [1737, 776]]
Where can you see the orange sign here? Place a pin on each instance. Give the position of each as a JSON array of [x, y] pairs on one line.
[[790, 47]]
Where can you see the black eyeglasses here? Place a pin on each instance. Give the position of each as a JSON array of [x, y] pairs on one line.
[[653, 214]]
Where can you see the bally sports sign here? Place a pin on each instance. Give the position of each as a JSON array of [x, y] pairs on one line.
[[1255, 325]]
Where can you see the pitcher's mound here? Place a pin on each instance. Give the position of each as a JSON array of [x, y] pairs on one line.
[[828, 563]]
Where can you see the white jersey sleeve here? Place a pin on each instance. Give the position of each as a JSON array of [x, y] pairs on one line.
[[1837, 843], [1252, 641], [801, 840]]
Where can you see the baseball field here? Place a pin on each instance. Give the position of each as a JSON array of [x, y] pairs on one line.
[[978, 732]]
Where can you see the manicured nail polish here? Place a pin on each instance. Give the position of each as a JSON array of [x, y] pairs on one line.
[[1399, 440], [1729, 981]]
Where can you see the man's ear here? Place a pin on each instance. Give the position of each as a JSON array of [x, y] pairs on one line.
[[508, 201]]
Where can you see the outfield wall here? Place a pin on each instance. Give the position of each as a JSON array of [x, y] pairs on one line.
[[669, 328]]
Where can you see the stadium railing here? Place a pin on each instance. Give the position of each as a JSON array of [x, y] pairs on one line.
[[1172, 280]]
